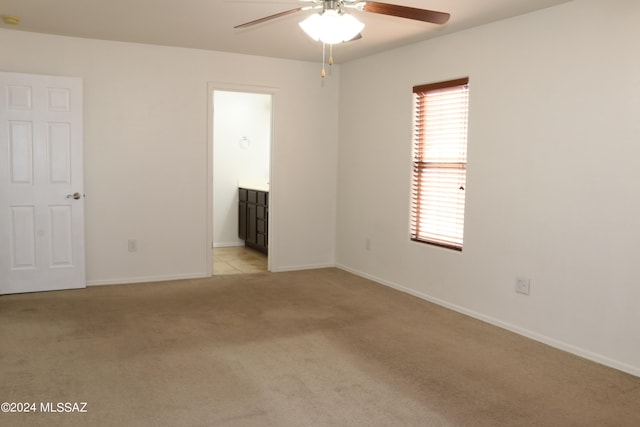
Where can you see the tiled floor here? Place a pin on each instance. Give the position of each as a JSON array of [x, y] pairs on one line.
[[238, 260]]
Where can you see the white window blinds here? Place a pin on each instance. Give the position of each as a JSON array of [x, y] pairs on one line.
[[439, 162]]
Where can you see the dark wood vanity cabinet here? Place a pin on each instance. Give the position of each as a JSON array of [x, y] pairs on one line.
[[253, 218]]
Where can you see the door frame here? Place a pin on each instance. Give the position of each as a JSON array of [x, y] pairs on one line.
[[236, 87]]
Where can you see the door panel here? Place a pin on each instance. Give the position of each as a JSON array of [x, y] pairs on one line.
[[61, 254], [23, 237], [59, 152], [21, 152], [252, 231], [41, 223]]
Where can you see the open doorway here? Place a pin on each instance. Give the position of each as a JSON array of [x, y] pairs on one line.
[[242, 130]]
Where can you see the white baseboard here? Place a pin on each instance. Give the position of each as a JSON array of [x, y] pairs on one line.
[[301, 267], [125, 281], [578, 351], [228, 244]]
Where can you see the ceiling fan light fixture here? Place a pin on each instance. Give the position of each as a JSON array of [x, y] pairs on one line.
[[331, 27]]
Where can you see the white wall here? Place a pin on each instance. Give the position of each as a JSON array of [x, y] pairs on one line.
[[241, 152], [146, 151], [553, 179]]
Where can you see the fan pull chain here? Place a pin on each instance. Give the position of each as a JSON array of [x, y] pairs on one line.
[[323, 73], [330, 54]]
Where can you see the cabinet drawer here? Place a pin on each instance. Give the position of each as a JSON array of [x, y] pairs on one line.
[[263, 198], [243, 195], [252, 196]]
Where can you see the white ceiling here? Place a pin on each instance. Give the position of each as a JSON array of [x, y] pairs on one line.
[[208, 24]]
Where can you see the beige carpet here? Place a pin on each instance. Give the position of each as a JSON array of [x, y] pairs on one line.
[[310, 348]]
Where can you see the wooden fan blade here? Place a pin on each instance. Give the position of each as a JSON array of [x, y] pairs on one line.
[[270, 17], [407, 12]]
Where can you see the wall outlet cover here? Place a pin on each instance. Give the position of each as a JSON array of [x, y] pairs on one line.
[[523, 286]]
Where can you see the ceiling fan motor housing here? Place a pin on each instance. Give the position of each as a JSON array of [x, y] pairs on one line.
[[335, 5]]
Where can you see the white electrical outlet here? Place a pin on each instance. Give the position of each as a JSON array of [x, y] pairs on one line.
[[523, 286], [133, 245]]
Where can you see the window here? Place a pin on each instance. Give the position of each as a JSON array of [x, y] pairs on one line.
[[439, 163]]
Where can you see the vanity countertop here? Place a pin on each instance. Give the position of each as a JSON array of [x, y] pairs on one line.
[[254, 185]]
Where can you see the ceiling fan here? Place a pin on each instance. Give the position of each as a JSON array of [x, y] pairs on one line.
[[333, 25], [338, 6]]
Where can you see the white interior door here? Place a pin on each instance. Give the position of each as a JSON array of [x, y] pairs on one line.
[[41, 183]]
